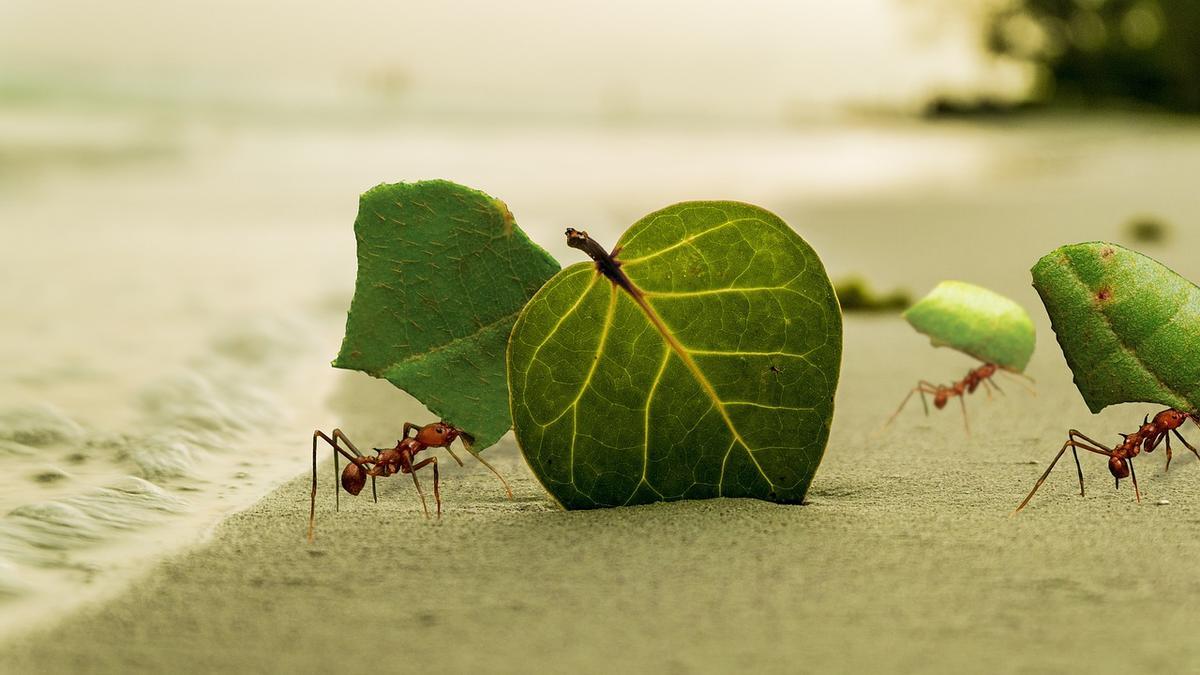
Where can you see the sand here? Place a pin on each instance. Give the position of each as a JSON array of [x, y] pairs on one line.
[[904, 559]]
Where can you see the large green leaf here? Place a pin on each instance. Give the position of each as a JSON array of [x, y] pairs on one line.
[[977, 322], [712, 373], [1128, 325], [443, 272]]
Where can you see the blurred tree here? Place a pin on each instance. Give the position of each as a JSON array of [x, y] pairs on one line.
[[1101, 51]]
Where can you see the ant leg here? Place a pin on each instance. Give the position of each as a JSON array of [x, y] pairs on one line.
[[484, 462], [1185, 443], [412, 471], [337, 433], [451, 451], [1133, 474], [992, 381], [926, 388], [922, 387], [1090, 445], [962, 401], [902, 404], [1087, 444], [312, 504], [312, 509], [1041, 480], [1023, 376], [437, 494], [1167, 437], [409, 426], [1020, 378]]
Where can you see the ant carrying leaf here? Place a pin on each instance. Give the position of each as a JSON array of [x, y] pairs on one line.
[[1127, 326], [979, 323], [432, 249], [390, 461]]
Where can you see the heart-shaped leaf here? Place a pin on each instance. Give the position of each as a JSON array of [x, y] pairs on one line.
[[443, 272], [1127, 324], [702, 362], [977, 322]]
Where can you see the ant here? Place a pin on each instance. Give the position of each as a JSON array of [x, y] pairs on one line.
[[983, 375], [1148, 437], [390, 461]]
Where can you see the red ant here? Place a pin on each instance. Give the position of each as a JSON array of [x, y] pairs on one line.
[[1120, 459], [390, 461], [983, 375]]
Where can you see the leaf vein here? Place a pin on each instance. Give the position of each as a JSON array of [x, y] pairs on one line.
[[662, 368], [697, 374], [688, 240], [450, 344]]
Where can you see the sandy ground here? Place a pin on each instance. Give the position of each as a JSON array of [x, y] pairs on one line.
[[905, 559]]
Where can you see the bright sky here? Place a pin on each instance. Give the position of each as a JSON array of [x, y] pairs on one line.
[[733, 57]]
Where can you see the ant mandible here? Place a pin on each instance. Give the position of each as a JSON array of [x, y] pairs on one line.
[[390, 461], [1148, 437], [983, 375]]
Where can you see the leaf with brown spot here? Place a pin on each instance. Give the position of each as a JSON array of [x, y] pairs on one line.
[[1128, 325]]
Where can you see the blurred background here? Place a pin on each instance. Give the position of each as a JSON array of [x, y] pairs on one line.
[[178, 183]]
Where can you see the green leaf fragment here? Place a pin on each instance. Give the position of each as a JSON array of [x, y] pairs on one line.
[[443, 272], [714, 377], [976, 321], [1128, 325]]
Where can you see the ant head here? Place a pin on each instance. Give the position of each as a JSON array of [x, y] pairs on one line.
[[1118, 467], [438, 434]]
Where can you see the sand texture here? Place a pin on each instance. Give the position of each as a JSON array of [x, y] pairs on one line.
[[904, 560]]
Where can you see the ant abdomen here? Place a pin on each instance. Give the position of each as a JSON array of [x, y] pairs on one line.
[[353, 478], [1118, 467]]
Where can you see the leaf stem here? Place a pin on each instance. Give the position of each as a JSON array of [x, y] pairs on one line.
[[609, 266], [606, 263]]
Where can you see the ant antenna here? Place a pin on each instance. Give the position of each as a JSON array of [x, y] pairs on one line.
[[1020, 378]]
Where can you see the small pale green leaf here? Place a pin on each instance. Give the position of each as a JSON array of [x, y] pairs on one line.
[[443, 272], [977, 322], [712, 375], [1128, 325]]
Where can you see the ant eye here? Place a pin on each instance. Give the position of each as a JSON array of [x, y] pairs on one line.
[[441, 430]]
